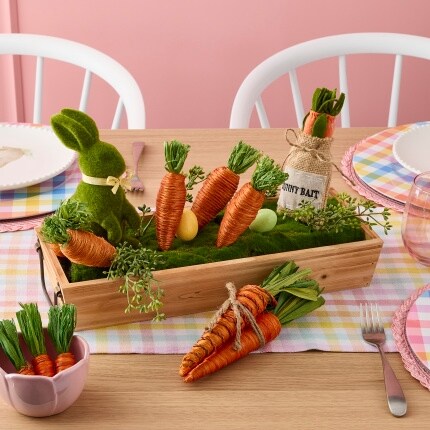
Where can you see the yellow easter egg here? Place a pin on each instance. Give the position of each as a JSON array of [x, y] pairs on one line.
[[265, 220], [188, 226]]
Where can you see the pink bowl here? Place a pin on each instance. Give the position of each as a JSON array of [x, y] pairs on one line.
[[41, 396]]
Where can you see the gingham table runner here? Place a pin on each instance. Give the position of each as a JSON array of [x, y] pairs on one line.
[[24, 208], [334, 327]]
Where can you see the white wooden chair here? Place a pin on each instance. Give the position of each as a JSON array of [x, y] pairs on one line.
[[290, 59], [91, 60]]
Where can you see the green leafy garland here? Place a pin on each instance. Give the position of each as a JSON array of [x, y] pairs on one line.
[[344, 211]]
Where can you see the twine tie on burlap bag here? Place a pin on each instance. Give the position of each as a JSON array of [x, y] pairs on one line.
[[239, 311], [316, 153]]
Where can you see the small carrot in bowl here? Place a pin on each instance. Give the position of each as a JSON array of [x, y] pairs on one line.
[[30, 323], [171, 196], [9, 341], [222, 183], [61, 326], [245, 204]]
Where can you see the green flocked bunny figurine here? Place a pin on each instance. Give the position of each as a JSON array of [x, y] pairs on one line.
[[102, 167]]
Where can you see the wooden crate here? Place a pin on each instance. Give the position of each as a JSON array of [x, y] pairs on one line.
[[201, 288]]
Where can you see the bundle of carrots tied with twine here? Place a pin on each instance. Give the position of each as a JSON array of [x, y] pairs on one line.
[[61, 326], [250, 318]]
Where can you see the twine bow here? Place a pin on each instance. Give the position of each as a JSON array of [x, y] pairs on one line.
[[239, 311], [110, 181]]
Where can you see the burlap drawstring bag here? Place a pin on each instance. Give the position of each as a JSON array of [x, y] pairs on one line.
[[309, 169]]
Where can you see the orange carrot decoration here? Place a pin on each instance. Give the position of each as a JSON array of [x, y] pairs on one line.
[[68, 233], [171, 195], [222, 183], [61, 326], [244, 205], [84, 247], [30, 323], [295, 296], [9, 341], [320, 120], [250, 299], [269, 326]]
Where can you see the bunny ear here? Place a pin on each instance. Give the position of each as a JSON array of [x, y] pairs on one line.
[[75, 129]]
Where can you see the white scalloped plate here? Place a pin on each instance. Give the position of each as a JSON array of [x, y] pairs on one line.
[[44, 155], [412, 149]]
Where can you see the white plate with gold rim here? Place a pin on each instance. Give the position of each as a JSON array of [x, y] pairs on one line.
[[30, 154]]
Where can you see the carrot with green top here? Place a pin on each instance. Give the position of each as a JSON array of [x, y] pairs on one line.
[[9, 341], [286, 279], [69, 231], [266, 328], [61, 326], [245, 204], [221, 184], [270, 327], [171, 196], [30, 323], [253, 298]]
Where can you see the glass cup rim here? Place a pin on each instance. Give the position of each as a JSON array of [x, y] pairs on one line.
[[424, 187]]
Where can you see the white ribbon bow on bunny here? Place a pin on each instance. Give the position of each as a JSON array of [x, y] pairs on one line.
[[110, 181]]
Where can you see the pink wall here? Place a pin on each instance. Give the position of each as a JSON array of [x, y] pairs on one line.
[[190, 56]]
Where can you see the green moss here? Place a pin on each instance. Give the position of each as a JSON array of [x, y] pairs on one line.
[[288, 235]]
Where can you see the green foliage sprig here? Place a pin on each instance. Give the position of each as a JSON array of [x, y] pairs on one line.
[[72, 215], [344, 212], [145, 221], [194, 176], [136, 266]]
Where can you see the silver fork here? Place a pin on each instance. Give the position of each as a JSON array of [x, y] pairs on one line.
[[135, 182], [374, 334]]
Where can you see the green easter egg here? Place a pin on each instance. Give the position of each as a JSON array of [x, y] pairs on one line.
[[264, 221]]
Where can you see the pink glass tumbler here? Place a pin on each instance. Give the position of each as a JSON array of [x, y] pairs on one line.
[[416, 219]]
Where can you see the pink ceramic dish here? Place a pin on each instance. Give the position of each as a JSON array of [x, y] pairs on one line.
[[41, 396]]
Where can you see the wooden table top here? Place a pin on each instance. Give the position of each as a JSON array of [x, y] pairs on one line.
[[305, 390]]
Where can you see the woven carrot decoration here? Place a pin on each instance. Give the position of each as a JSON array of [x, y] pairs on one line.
[[84, 247], [61, 326], [269, 326], [171, 195], [9, 341], [30, 323], [295, 296], [222, 183], [253, 298], [68, 233], [244, 205]]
